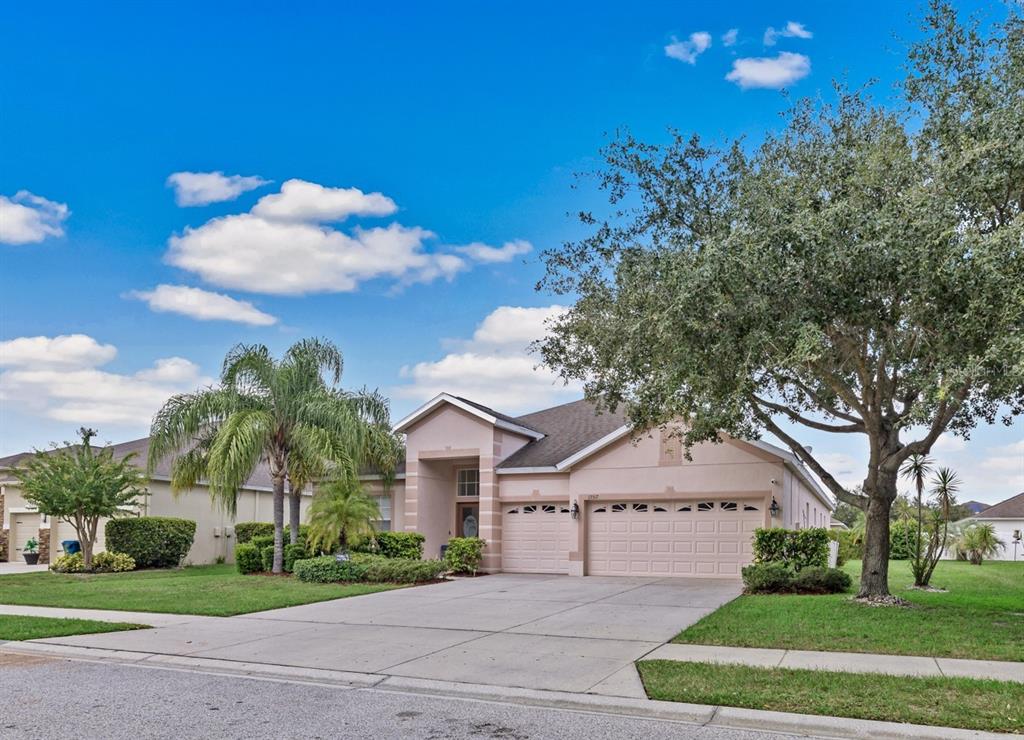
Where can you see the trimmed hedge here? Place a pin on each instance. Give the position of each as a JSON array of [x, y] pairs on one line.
[[327, 569], [267, 558], [247, 558], [292, 553], [402, 545], [151, 541], [779, 578], [367, 568], [245, 531], [464, 554], [795, 548]]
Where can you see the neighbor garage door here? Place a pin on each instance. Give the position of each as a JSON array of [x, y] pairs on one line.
[[535, 538], [24, 527], [671, 538]]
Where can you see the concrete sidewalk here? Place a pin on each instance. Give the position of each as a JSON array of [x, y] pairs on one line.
[[896, 665]]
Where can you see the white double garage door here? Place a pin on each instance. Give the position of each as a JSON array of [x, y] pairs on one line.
[[710, 539]]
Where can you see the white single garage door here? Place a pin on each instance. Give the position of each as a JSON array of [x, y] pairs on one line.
[[710, 538], [535, 538], [61, 531], [24, 527]]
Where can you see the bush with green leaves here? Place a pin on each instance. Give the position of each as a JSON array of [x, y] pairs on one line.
[[772, 577], [245, 531], [795, 548], [851, 544], [817, 580], [380, 569], [267, 558], [69, 564], [292, 553], [248, 559], [464, 554], [262, 541], [403, 545], [112, 562], [901, 539], [328, 569], [151, 541]]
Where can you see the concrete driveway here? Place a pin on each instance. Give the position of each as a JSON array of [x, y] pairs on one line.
[[531, 631]]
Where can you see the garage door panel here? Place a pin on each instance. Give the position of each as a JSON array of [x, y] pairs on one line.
[[710, 538], [535, 539]]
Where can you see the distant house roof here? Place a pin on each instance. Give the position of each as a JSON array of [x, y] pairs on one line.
[[1011, 508], [975, 507]]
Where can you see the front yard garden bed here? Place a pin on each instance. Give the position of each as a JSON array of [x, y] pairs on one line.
[[210, 590], [980, 616], [16, 627], [993, 706]]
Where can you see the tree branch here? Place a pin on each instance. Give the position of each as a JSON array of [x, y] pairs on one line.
[[821, 426]]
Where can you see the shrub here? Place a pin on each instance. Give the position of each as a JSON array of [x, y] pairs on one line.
[[767, 578], [69, 564], [291, 554], [247, 558], [795, 548], [901, 539], [112, 562], [851, 547], [464, 554], [380, 569], [404, 545], [267, 558], [327, 569], [151, 541], [815, 580], [262, 541], [245, 531]]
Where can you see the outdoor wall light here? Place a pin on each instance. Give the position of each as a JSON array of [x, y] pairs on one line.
[[574, 512], [774, 508]]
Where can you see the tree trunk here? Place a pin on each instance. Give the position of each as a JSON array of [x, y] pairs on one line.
[[294, 508], [874, 574], [278, 524]]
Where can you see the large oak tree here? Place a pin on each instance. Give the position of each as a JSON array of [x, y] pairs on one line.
[[859, 272]]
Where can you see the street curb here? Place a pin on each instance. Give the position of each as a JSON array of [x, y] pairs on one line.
[[699, 714]]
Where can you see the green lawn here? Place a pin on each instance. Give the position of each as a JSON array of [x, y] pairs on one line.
[[994, 706], [981, 617], [213, 590], [31, 628]]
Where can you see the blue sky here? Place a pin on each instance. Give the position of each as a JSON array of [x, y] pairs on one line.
[[428, 153]]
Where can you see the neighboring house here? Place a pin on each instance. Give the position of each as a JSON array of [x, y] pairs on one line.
[[214, 539], [1008, 519], [836, 524], [568, 490], [975, 507], [563, 490]]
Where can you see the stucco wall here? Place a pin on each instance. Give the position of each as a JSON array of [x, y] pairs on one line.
[[1004, 531]]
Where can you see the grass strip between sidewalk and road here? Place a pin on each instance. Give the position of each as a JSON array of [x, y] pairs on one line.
[[209, 590], [980, 616], [992, 706], [17, 627]]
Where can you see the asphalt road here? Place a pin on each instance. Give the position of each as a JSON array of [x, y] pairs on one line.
[[52, 698]]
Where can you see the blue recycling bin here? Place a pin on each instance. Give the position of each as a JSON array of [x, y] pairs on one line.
[[71, 546]]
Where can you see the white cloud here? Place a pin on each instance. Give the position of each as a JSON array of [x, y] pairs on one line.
[[494, 367], [27, 218], [66, 383], [312, 203], [505, 253], [792, 30], [202, 304], [689, 49], [947, 443], [283, 245], [67, 350], [203, 188], [769, 72], [730, 36]]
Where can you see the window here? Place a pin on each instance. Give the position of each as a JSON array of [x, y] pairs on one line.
[[512, 511], [548, 508], [659, 508], [705, 506], [685, 507], [750, 507], [600, 510], [728, 506], [384, 504], [618, 507], [564, 510], [468, 482], [640, 507], [531, 509]]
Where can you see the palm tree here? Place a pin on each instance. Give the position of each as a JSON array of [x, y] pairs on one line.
[[339, 512], [280, 412], [917, 468], [979, 541]]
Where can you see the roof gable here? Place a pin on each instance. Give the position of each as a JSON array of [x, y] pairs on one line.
[[1011, 508], [502, 421]]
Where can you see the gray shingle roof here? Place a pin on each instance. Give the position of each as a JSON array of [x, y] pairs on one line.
[[498, 415], [568, 429], [1011, 508]]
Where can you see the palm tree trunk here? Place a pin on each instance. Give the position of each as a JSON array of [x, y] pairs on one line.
[[278, 524], [294, 508]]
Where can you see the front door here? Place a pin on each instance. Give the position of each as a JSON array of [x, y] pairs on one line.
[[467, 519]]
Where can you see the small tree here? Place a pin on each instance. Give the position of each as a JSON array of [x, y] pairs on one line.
[[81, 484], [980, 541], [339, 512], [917, 468]]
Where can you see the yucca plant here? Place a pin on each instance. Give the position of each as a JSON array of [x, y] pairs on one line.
[[980, 541], [285, 413], [916, 469]]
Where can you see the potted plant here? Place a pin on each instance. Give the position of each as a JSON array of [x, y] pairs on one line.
[[31, 552]]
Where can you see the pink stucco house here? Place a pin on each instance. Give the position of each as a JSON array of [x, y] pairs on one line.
[[569, 490]]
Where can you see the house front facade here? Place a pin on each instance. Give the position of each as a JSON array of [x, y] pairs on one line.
[[1007, 519], [569, 490]]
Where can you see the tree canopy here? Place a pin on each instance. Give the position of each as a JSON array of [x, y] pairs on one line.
[[860, 271]]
